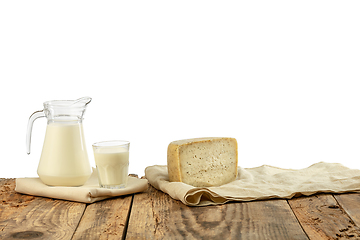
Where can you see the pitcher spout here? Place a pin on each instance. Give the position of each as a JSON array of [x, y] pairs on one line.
[[66, 110], [82, 101]]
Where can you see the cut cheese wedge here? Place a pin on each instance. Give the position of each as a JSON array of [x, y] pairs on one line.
[[203, 162]]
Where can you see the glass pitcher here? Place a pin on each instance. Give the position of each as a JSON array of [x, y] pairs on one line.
[[64, 160]]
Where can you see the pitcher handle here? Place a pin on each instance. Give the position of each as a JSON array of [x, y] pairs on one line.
[[35, 115]]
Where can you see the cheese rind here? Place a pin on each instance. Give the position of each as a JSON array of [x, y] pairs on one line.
[[203, 162]]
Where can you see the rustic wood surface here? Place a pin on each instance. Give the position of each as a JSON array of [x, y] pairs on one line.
[[41, 218], [154, 215], [104, 219], [322, 217], [351, 205]]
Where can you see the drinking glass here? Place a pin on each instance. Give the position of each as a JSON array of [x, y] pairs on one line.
[[112, 163]]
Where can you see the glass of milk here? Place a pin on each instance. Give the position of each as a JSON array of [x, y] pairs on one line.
[[112, 163]]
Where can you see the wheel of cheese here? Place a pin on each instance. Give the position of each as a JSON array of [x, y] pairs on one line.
[[203, 162]]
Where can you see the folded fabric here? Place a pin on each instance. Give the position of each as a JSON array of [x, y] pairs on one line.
[[88, 193], [260, 183]]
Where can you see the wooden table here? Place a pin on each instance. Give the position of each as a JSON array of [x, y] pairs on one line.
[[154, 215]]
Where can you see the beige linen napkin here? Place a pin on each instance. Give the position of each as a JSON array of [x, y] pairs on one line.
[[88, 193], [263, 182]]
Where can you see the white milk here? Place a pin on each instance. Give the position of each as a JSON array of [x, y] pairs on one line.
[[64, 160], [112, 164]]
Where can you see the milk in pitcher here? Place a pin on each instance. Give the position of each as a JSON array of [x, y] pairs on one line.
[[64, 144]]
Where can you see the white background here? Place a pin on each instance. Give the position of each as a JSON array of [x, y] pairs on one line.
[[282, 77]]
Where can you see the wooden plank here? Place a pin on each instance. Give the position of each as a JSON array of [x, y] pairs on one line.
[[154, 215], [23, 216], [322, 218], [11, 203], [105, 219], [351, 204], [45, 218]]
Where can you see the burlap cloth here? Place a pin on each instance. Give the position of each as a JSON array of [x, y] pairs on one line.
[[263, 182], [88, 193]]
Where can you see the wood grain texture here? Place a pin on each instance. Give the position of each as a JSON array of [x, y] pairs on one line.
[[322, 218], [105, 219], [45, 218], [155, 215], [11, 203], [351, 204]]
